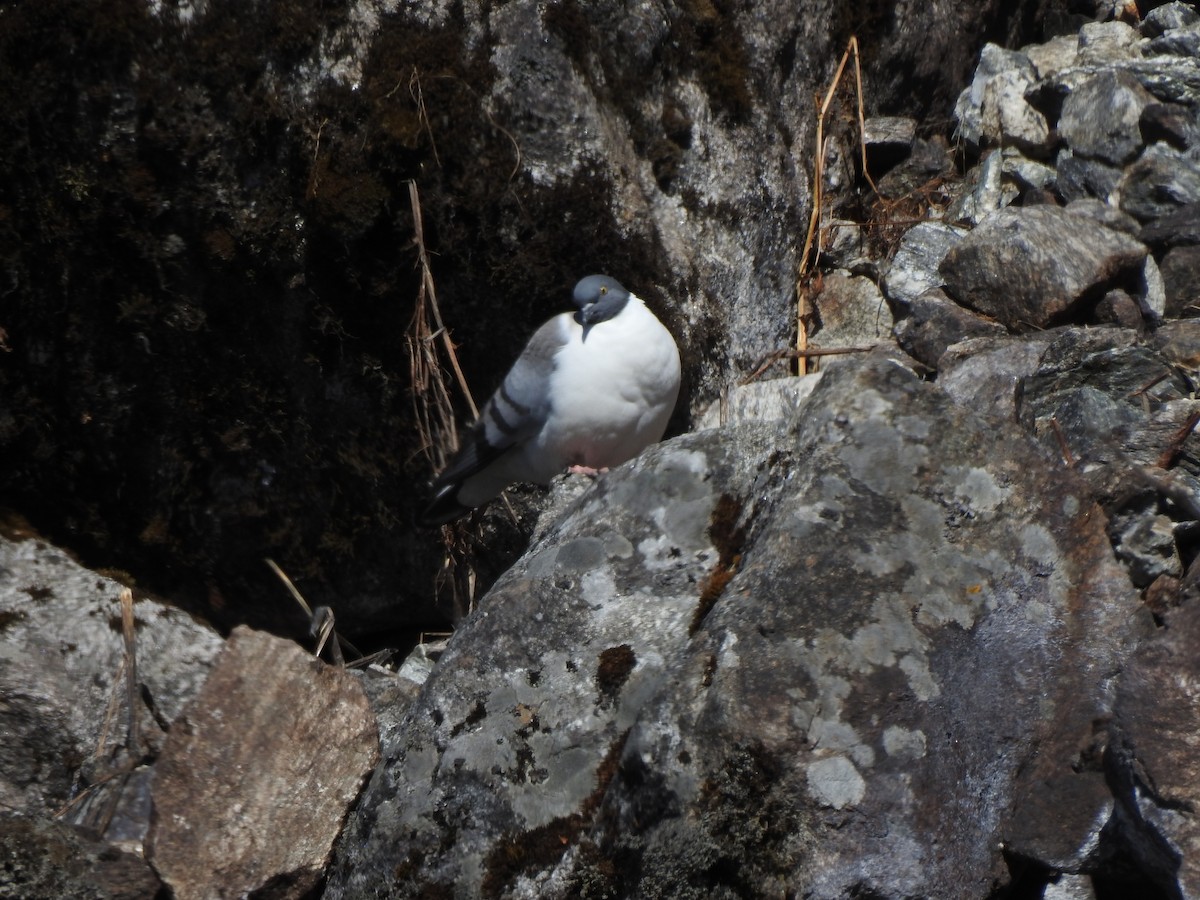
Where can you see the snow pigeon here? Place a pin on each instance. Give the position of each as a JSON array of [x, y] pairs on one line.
[[592, 389]]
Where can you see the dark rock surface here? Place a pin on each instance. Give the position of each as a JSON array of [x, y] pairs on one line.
[[1101, 118], [933, 322], [1155, 749], [1161, 181], [1180, 267], [44, 860], [914, 269]]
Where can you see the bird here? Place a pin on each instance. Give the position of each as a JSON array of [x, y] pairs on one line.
[[591, 390]]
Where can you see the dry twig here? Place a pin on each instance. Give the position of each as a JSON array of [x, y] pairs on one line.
[[1063, 446], [430, 394], [812, 352], [1174, 448], [812, 240], [321, 619]]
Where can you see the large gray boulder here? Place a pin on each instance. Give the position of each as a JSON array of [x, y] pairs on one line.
[[64, 713], [838, 654]]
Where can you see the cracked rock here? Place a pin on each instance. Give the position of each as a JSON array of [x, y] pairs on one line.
[[1030, 267]]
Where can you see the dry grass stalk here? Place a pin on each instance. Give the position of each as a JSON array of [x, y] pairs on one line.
[[430, 394], [434, 409], [814, 239], [92, 807], [811, 353], [321, 620], [133, 735]]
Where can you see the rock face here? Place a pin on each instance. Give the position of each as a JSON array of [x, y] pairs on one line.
[[877, 645], [1156, 741], [726, 666], [206, 235]]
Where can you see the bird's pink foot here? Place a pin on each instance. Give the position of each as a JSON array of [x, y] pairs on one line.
[[585, 470]]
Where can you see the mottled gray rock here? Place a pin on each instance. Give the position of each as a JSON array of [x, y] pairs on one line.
[[1079, 177], [1172, 124], [1183, 42], [1105, 214], [795, 675], [1168, 17], [1171, 79], [1118, 308], [933, 322], [893, 133], [914, 268], [1110, 403], [987, 374], [846, 246], [993, 110], [1030, 267], [1180, 268], [1101, 118], [1179, 227], [1159, 182], [256, 777], [392, 693], [1026, 172], [1054, 55], [1145, 542], [888, 139], [1101, 43], [1070, 887], [62, 676], [929, 165], [1152, 291], [1179, 343]]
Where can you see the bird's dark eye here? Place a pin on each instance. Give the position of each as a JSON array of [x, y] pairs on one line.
[[604, 290]]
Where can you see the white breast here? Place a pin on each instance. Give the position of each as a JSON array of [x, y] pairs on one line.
[[612, 392]]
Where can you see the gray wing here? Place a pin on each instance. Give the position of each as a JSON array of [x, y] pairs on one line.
[[516, 412]]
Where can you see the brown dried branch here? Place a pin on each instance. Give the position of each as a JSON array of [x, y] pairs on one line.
[[813, 239], [1063, 446], [1170, 455], [812, 352]]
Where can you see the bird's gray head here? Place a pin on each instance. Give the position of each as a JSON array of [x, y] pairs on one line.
[[599, 298]]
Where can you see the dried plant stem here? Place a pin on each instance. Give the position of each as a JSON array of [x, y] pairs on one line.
[[321, 620], [812, 352], [133, 735], [812, 240]]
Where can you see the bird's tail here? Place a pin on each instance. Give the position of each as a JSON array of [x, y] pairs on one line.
[[443, 508]]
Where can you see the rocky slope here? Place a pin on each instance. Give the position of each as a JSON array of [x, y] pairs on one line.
[[917, 624]]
